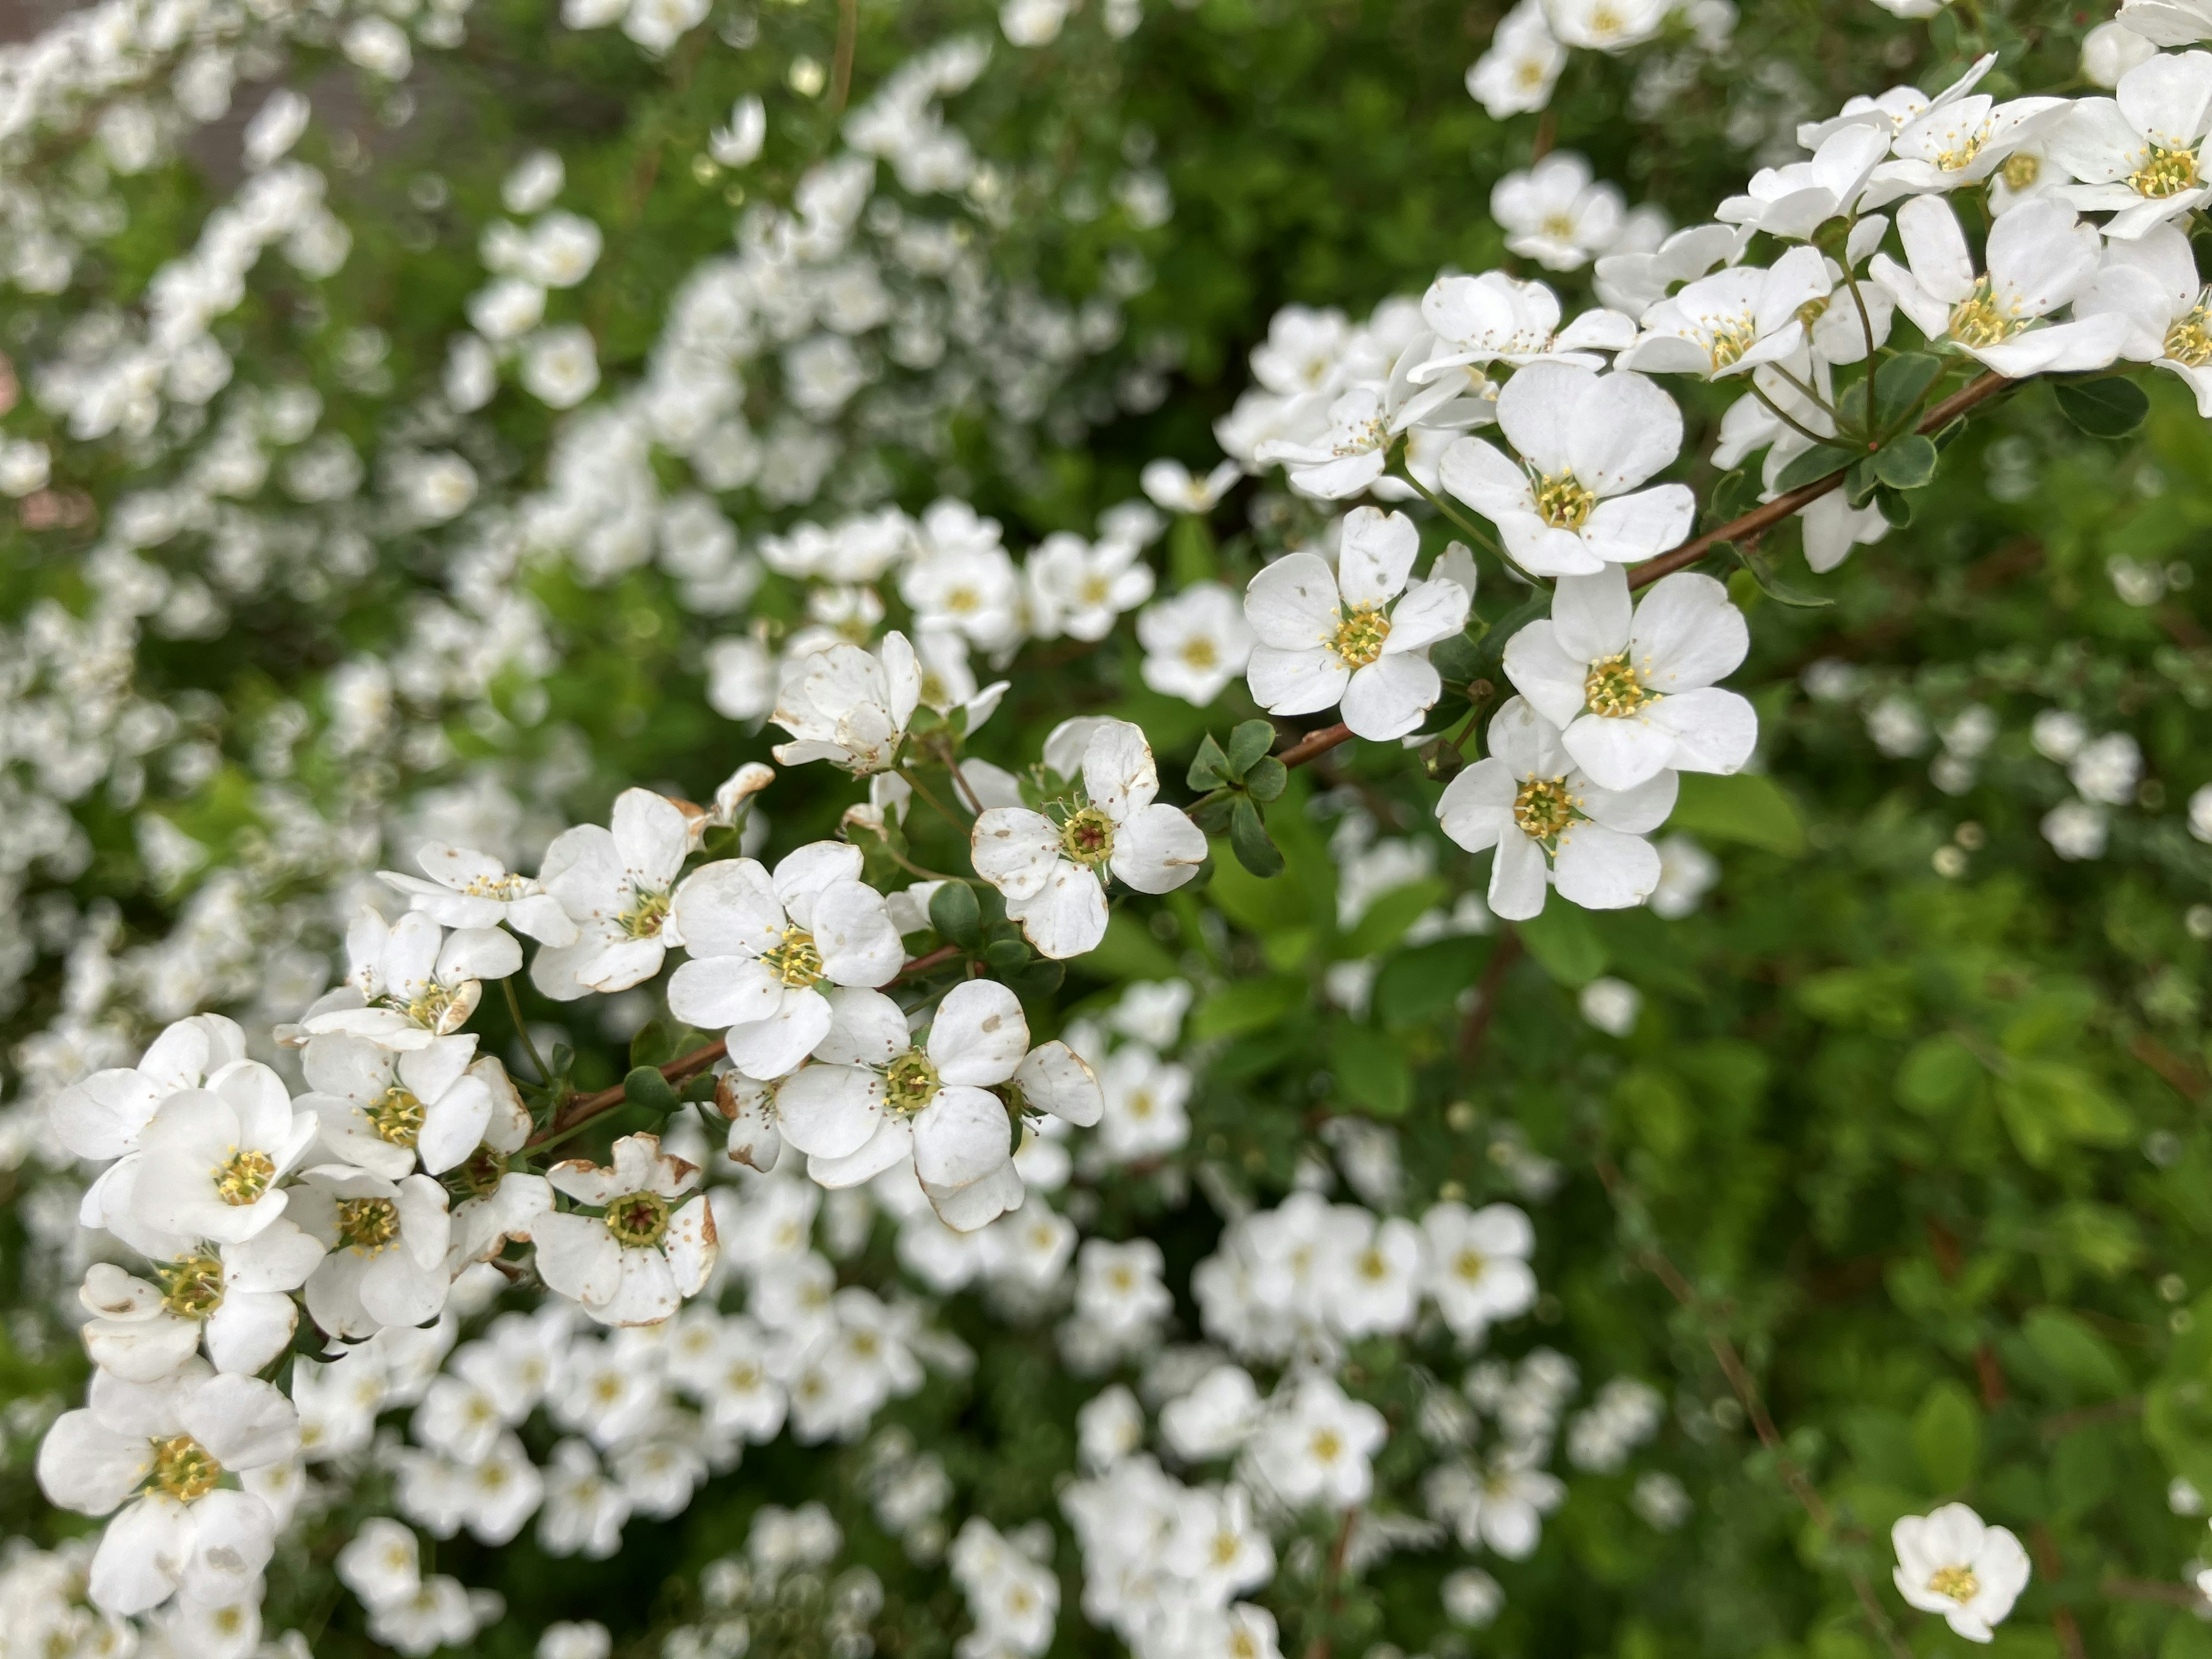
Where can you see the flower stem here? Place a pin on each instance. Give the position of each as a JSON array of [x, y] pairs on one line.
[[522, 1031]]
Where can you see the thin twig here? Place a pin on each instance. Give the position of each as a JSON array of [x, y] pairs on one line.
[[2150, 1589], [1476, 1026], [849, 34], [522, 1029], [1332, 1585], [1970, 396], [1315, 745], [1788, 419]]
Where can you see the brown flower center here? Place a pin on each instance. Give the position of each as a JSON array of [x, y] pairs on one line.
[[638, 1220]]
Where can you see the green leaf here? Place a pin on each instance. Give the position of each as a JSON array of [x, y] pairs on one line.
[[1815, 464], [1006, 955], [1129, 951], [1266, 779], [1247, 744], [1248, 839], [1908, 463], [1417, 985], [1455, 658], [1209, 767], [1564, 943], [1748, 807], [1210, 812], [1371, 1070], [1248, 1005], [1940, 1074], [1860, 483], [1656, 1108], [1040, 979], [955, 915], [646, 1087], [1896, 509], [697, 1089], [1734, 494], [1946, 1435], [1191, 554], [1391, 914], [1760, 570], [2090, 1364], [653, 1045], [2109, 408], [1899, 383], [2049, 1104]]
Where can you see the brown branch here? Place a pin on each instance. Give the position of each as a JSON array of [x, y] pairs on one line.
[[1315, 744], [2112, 1410], [2184, 1078], [1655, 1262], [849, 31], [1318, 1648], [2148, 1590], [1762, 519], [1476, 1026], [582, 1108]]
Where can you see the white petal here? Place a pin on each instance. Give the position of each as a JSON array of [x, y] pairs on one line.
[[962, 1136], [830, 1111], [1292, 604], [1387, 698], [979, 1035], [1015, 849], [1157, 850]]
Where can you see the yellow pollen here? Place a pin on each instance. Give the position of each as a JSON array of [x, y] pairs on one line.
[[396, 1115], [1611, 689], [964, 599], [370, 1225], [1087, 837], [244, 1177], [2021, 170], [1560, 228], [1605, 20], [1529, 73], [1813, 309], [2165, 172], [1544, 810], [1562, 503], [191, 1286], [1953, 161], [1731, 339], [910, 1082], [1359, 639], [1957, 1583], [183, 1469], [505, 888], [1978, 320], [1096, 590], [638, 1220], [1328, 1446], [2189, 342], [1201, 653], [646, 913], [1470, 1264], [796, 962]]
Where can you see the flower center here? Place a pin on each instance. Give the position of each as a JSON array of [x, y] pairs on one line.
[[1326, 1446], [1364, 436], [1731, 339], [183, 1469], [1359, 637], [1543, 809], [368, 1225], [1813, 309], [1957, 1583], [1201, 653], [1951, 160], [1559, 226], [1612, 689], [1978, 320], [2189, 342], [638, 1220], [1605, 20], [191, 1286], [1470, 1264], [910, 1082], [795, 962], [428, 1008], [1562, 503], [2165, 172], [2021, 170], [505, 889], [244, 1177], [483, 1171], [396, 1115], [1087, 838], [646, 912], [1529, 73]]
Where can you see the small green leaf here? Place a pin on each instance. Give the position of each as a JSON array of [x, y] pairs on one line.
[[1900, 384], [653, 1045], [1564, 943], [1251, 740], [698, 1089], [1210, 812], [1907, 464], [1734, 494], [1946, 1435], [1861, 482], [1267, 779], [1896, 507], [1006, 955], [955, 915], [1191, 556], [1748, 807], [1939, 1075], [1455, 658], [646, 1087], [1040, 979], [1815, 464], [1209, 767], [1371, 1070], [1761, 571], [1248, 1005], [2108, 408], [1248, 839]]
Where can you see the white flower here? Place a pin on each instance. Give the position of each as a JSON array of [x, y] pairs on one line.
[[1633, 694], [738, 144], [1498, 318], [1732, 322], [211, 1159], [533, 183], [849, 706], [2167, 22], [1175, 489], [1586, 442], [1795, 200], [1950, 1563], [378, 46], [387, 1243], [1195, 643], [657, 25], [634, 1263], [1316, 1445], [2076, 829], [1078, 587], [765, 947], [380, 1110], [2137, 152], [2040, 256], [614, 884], [1502, 1507], [2152, 282], [1052, 871], [562, 250], [1348, 453], [506, 309], [1552, 214], [237, 1296], [382, 1564], [412, 982], [1334, 637], [469, 890], [961, 580], [1516, 76], [1478, 1265], [1471, 1597], [100, 1117], [1551, 824], [157, 1451], [1605, 25], [1632, 282], [560, 367]]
